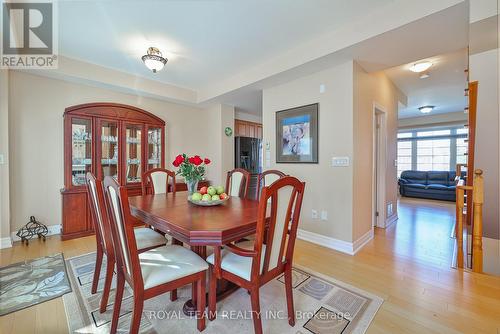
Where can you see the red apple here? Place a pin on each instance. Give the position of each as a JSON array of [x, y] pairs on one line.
[[203, 190], [223, 196]]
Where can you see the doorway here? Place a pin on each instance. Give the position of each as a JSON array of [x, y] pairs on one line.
[[379, 166]]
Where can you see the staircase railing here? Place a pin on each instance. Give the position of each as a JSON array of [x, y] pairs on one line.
[[463, 209]]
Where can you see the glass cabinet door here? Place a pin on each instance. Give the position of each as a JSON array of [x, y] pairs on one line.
[[154, 148], [109, 149], [133, 153], [81, 149]]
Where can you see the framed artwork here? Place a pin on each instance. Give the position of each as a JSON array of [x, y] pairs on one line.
[[297, 135]]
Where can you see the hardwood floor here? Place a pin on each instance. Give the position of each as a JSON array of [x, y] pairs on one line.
[[408, 265]]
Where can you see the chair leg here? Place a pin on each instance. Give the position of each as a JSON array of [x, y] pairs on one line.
[[97, 270], [212, 295], [120, 285], [289, 296], [201, 301], [173, 295], [107, 285], [257, 323], [137, 313]]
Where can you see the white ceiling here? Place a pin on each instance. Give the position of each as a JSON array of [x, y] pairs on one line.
[[444, 89], [205, 41]]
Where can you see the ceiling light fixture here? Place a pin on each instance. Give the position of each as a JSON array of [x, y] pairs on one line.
[[420, 67], [154, 60], [426, 109]]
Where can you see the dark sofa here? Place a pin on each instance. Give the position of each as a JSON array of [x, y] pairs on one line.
[[432, 185]]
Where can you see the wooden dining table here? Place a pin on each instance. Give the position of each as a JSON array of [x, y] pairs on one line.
[[198, 226]]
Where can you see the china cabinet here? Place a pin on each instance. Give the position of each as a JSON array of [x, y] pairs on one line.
[[107, 139]]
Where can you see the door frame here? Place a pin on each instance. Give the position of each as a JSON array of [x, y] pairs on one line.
[[380, 157]]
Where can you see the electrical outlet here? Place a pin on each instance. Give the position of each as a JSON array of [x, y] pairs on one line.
[[324, 215], [314, 214], [389, 209], [322, 88], [2, 160]]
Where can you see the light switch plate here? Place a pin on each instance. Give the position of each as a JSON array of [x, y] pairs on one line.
[[340, 161], [2, 159], [322, 88]]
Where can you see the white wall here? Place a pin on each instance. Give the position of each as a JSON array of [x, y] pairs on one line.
[[36, 138], [4, 150], [327, 188]]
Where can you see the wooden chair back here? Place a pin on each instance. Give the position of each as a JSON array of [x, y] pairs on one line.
[[99, 214], [267, 177], [285, 197], [237, 182], [122, 229], [157, 180]]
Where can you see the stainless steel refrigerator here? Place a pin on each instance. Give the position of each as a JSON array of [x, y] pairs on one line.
[[248, 155]]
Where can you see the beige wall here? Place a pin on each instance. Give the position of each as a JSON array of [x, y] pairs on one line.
[[327, 188], [370, 90], [222, 147], [36, 141], [4, 149], [484, 68], [452, 118], [244, 116]]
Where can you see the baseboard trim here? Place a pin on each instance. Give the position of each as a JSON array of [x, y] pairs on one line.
[[391, 220], [346, 247], [52, 230], [5, 242], [361, 242]]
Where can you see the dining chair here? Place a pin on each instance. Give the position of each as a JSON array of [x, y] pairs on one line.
[[157, 180], [150, 273], [267, 177], [146, 238], [271, 253], [237, 182]]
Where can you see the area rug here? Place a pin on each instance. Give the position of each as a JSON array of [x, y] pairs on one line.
[[322, 304], [32, 282]]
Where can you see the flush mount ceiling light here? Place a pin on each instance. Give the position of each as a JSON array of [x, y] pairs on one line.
[[426, 109], [420, 67], [154, 60]]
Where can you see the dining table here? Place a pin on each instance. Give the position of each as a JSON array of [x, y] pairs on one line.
[[198, 226]]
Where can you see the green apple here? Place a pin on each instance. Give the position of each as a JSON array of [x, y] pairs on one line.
[[206, 198], [215, 198], [220, 190], [196, 197], [211, 191]]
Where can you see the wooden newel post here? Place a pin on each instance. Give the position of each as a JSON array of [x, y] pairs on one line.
[[477, 227]]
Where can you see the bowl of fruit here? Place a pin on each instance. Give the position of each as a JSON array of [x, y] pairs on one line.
[[209, 196]]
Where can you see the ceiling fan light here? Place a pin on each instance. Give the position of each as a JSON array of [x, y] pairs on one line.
[[154, 60], [426, 109], [420, 67]]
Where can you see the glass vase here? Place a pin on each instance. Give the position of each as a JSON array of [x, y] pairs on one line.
[[192, 186]]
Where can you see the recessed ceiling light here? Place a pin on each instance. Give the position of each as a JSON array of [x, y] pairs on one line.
[[420, 67], [426, 109], [154, 60]]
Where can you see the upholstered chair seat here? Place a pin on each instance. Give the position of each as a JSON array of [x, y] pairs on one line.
[[165, 264], [148, 238], [236, 264]]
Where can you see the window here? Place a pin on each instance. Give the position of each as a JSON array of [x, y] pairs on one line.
[[431, 149]]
